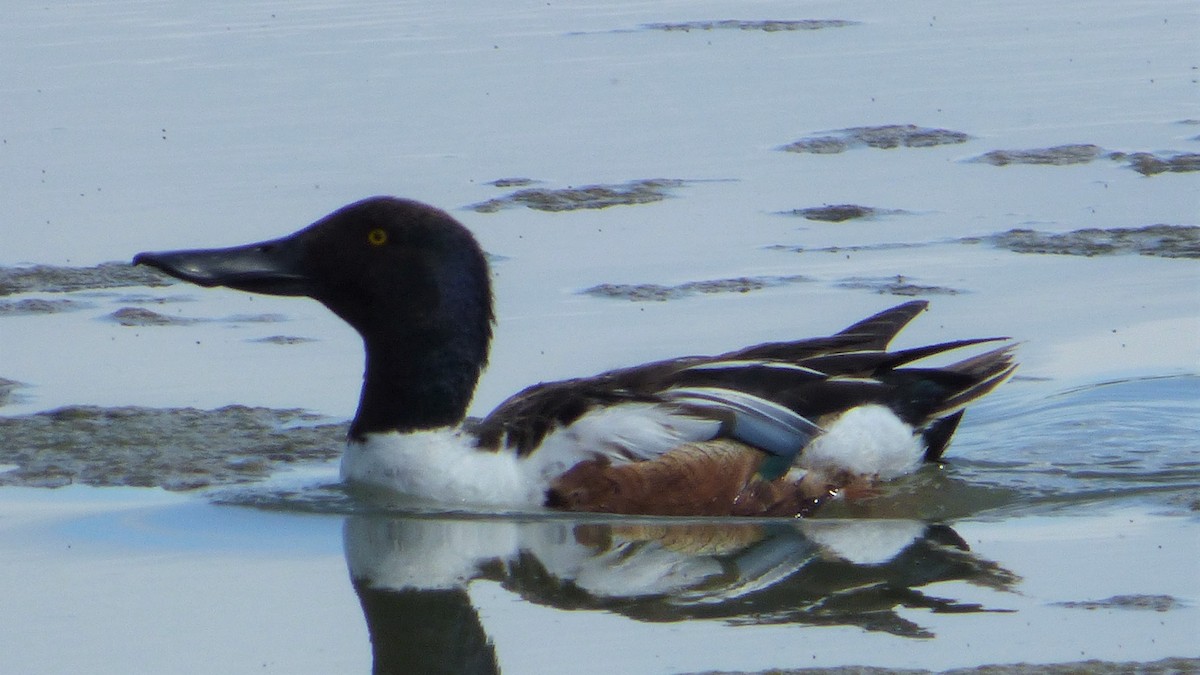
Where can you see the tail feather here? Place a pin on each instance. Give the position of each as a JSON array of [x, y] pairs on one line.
[[882, 327], [988, 371]]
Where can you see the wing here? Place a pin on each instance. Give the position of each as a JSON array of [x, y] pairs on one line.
[[773, 397]]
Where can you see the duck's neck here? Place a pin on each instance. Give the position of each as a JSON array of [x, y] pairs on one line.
[[413, 385]]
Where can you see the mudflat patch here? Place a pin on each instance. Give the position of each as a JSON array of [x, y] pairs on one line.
[[634, 192], [1164, 241], [838, 213], [886, 137], [1059, 155], [55, 279], [171, 448], [766, 26], [896, 285], [32, 306], [659, 293]]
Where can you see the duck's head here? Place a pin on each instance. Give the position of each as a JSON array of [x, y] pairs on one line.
[[407, 276]]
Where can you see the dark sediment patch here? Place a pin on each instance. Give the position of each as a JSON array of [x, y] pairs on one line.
[[1150, 164], [41, 306], [137, 316], [171, 448], [511, 182], [53, 279], [881, 137], [767, 26], [1157, 603], [585, 197], [283, 340], [1165, 241], [141, 317], [885, 246], [7, 389], [1059, 155], [897, 285], [659, 293], [1168, 666], [837, 213]]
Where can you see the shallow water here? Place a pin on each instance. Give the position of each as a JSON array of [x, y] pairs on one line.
[[649, 180]]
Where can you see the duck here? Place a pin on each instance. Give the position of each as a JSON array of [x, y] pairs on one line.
[[773, 429]]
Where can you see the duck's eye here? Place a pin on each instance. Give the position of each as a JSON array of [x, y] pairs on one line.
[[377, 237]]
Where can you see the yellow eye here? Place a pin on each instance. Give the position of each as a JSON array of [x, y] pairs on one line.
[[377, 237]]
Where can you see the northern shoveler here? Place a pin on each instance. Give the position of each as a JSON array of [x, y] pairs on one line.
[[772, 429]]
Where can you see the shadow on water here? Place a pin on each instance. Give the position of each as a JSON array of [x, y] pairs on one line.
[[412, 576]]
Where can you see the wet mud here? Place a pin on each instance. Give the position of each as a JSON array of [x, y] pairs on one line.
[[882, 137], [141, 317], [659, 293], [1145, 163], [838, 213], [585, 197], [7, 389], [765, 26], [1169, 666], [1149, 164], [1061, 155], [1157, 603], [34, 306], [173, 448], [54, 279], [897, 285], [1164, 241]]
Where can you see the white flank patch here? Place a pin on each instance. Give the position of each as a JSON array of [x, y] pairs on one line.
[[621, 432], [868, 441]]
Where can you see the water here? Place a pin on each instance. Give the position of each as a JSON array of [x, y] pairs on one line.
[[189, 536]]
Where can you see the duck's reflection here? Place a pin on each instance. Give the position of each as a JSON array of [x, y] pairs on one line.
[[411, 575]]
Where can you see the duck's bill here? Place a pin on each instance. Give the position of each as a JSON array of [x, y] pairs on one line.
[[270, 267]]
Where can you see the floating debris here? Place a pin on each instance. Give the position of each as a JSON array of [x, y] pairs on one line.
[[1149, 164], [897, 285], [171, 448], [883, 137], [659, 293], [1059, 155], [1157, 603], [765, 26], [41, 306], [54, 279], [586, 197], [837, 213], [1164, 241]]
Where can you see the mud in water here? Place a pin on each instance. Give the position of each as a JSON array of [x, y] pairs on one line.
[[1171, 666], [1164, 241], [1157, 603], [7, 389], [141, 317], [585, 197], [883, 137], [838, 213], [54, 279], [283, 340], [1060, 155], [765, 26], [659, 293], [1149, 164], [897, 285], [173, 448], [33, 306], [1145, 163]]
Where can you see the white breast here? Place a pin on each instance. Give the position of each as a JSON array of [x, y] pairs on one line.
[[442, 466]]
